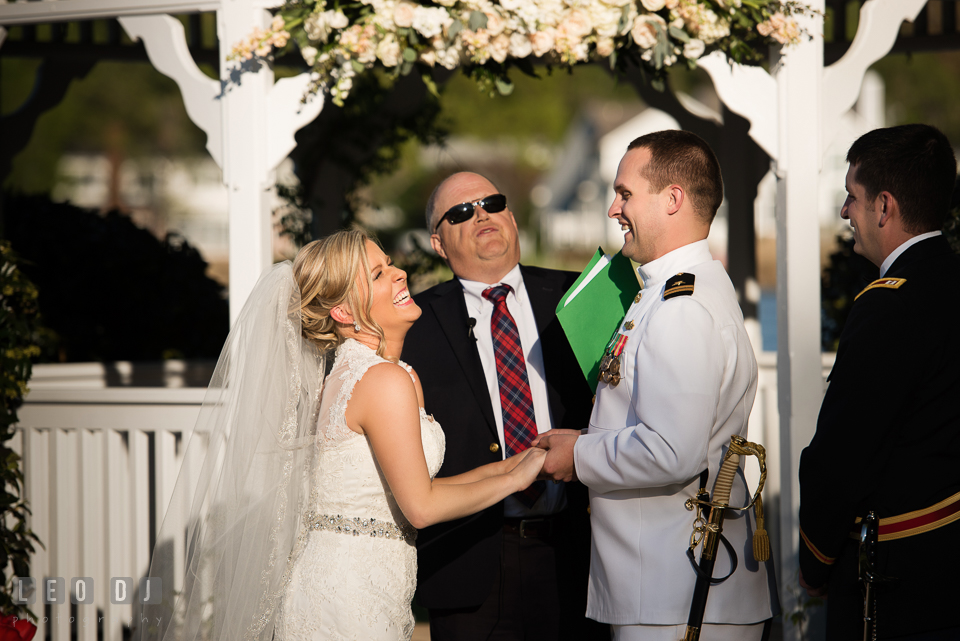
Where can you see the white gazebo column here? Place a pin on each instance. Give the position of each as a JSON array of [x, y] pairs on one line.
[[799, 376], [245, 170]]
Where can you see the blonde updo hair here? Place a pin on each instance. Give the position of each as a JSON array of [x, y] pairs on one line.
[[326, 271]]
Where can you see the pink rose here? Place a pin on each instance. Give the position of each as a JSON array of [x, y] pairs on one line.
[[542, 41], [403, 14]]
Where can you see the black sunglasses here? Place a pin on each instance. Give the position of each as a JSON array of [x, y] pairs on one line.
[[464, 211]]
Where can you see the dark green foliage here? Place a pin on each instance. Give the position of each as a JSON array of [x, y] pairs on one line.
[[845, 277], [19, 345], [345, 147], [111, 291]]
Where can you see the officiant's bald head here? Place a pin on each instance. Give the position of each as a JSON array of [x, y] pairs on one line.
[[472, 228]]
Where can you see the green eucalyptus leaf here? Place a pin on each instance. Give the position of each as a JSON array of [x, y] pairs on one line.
[[624, 19], [454, 29], [679, 34], [357, 66], [429, 83], [406, 68], [659, 54], [409, 55], [478, 20], [504, 86]]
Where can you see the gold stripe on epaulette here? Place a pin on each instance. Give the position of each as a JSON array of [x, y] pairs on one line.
[[677, 290], [885, 283]]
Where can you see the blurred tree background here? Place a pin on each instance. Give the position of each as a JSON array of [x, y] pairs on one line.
[[126, 110]]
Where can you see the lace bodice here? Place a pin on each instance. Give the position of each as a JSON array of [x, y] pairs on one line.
[[347, 480], [356, 575]]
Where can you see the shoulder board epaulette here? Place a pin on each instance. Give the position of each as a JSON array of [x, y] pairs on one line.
[[679, 285], [886, 283]]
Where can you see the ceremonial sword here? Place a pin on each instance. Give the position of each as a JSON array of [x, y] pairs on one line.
[[710, 531]]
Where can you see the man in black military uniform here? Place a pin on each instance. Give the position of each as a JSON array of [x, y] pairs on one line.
[[888, 436]]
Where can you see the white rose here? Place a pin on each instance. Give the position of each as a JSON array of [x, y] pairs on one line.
[[388, 51], [645, 30], [671, 4], [520, 46], [336, 19], [316, 27], [542, 41], [449, 58], [605, 47], [653, 5], [403, 14], [693, 49], [500, 47], [309, 55], [430, 21]]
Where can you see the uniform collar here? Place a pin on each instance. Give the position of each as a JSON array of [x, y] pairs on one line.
[[895, 254], [659, 270]]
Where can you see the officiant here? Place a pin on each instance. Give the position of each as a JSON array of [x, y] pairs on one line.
[[496, 371], [678, 380]]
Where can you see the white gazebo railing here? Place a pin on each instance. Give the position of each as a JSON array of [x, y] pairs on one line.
[[100, 465]]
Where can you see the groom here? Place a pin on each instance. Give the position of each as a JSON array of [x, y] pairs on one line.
[[689, 378], [517, 570]]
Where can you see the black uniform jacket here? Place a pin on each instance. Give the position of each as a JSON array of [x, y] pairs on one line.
[[458, 560], [888, 440]]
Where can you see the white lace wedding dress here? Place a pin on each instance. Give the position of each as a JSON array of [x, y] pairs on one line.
[[356, 569]]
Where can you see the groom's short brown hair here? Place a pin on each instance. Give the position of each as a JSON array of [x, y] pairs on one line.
[[685, 159]]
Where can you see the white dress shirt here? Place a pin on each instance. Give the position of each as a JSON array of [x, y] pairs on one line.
[[478, 307]]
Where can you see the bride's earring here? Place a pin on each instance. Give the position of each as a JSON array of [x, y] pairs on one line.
[[356, 327]]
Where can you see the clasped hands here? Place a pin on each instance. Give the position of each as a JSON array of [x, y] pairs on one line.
[[558, 464]]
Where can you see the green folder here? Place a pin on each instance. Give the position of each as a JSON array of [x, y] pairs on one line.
[[591, 311]]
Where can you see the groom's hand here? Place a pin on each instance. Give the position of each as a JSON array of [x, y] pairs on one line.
[[559, 462]]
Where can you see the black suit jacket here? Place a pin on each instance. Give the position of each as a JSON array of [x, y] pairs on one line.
[[458, 560], [888, 440]]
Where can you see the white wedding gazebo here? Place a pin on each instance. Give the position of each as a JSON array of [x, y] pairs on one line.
[[100, 463]]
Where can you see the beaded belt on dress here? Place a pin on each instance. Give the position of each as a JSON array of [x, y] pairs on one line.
[[360, 527]]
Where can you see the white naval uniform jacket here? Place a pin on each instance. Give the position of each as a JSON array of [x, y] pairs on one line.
[[689, 378]]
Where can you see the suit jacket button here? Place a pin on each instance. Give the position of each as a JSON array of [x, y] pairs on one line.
[[494, 447]]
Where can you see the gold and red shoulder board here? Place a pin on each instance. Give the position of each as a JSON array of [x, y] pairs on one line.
[[883, 283], [679, 285]]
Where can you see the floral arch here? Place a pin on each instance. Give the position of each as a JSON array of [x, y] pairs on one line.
[[488, 38]]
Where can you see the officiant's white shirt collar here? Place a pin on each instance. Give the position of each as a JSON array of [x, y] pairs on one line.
[[474, 290], [672, 263]]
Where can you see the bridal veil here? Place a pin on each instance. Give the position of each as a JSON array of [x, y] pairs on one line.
[[230, 533]]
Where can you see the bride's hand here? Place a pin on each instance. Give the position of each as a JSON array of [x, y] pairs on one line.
[[528, 467]]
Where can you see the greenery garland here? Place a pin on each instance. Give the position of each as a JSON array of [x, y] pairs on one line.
[[342, 39], [19, 338]]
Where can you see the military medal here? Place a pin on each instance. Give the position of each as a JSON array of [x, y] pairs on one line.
[[610, 363]]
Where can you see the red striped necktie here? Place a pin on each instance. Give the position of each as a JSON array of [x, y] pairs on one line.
[[516, 401]]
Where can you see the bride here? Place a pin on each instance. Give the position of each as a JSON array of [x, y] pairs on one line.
[[310, 486]]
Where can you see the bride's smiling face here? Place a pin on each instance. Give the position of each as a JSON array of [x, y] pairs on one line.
[[393, 307]]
